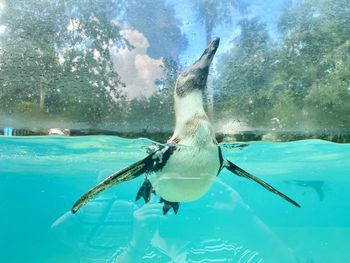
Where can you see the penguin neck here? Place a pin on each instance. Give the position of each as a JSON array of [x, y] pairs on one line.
[[192, 125], [187, 107]]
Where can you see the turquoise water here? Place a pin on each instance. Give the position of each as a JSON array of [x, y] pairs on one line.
[[236, 221]]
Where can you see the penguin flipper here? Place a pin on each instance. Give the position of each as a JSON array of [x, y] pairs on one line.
[[153, 162], [240, 172]]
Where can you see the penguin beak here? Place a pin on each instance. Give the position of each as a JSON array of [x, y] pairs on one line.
[[195, 77], [207, 57]]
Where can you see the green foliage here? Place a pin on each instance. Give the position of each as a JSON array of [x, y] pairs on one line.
[[28, 58], [57, 54], [30, 109], [302, 81], [56, 60], [90, 82], [244, 73]]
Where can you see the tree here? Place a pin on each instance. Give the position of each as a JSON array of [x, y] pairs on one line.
[[212, 13], [244, 73], [315, 60], [29, 61], [89, 73], [57, 55], [302, 81]]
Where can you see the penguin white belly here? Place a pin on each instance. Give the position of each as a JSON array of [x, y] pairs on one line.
[[188, 174]]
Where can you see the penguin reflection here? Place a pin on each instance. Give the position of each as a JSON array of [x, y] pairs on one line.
[[218, 227]]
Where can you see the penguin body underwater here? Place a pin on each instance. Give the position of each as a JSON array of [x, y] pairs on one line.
[[183, 169]]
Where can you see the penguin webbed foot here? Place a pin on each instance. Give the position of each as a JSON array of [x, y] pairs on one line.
[[168, 205], [145, 191]]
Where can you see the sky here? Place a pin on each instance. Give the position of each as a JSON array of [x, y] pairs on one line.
[[139, 71], [268, 11], [136, 68], [2, 28]]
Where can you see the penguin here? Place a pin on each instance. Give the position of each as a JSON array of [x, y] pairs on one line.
[[183, 169]]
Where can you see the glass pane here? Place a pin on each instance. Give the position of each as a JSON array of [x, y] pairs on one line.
[[201, 94]]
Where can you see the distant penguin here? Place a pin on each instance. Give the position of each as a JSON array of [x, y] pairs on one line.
[[183, 169]]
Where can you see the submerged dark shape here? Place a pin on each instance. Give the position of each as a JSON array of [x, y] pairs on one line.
[[316, 185], [185, 168]]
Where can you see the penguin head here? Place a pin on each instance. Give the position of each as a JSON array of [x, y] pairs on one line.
[[195, 77]]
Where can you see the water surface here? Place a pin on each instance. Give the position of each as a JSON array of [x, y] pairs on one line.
[[236, 221]]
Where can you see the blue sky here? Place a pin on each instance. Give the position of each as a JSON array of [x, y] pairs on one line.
[[268, 11]]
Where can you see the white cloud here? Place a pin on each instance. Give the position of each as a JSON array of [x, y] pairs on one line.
[[2, 29], [137, 70]]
